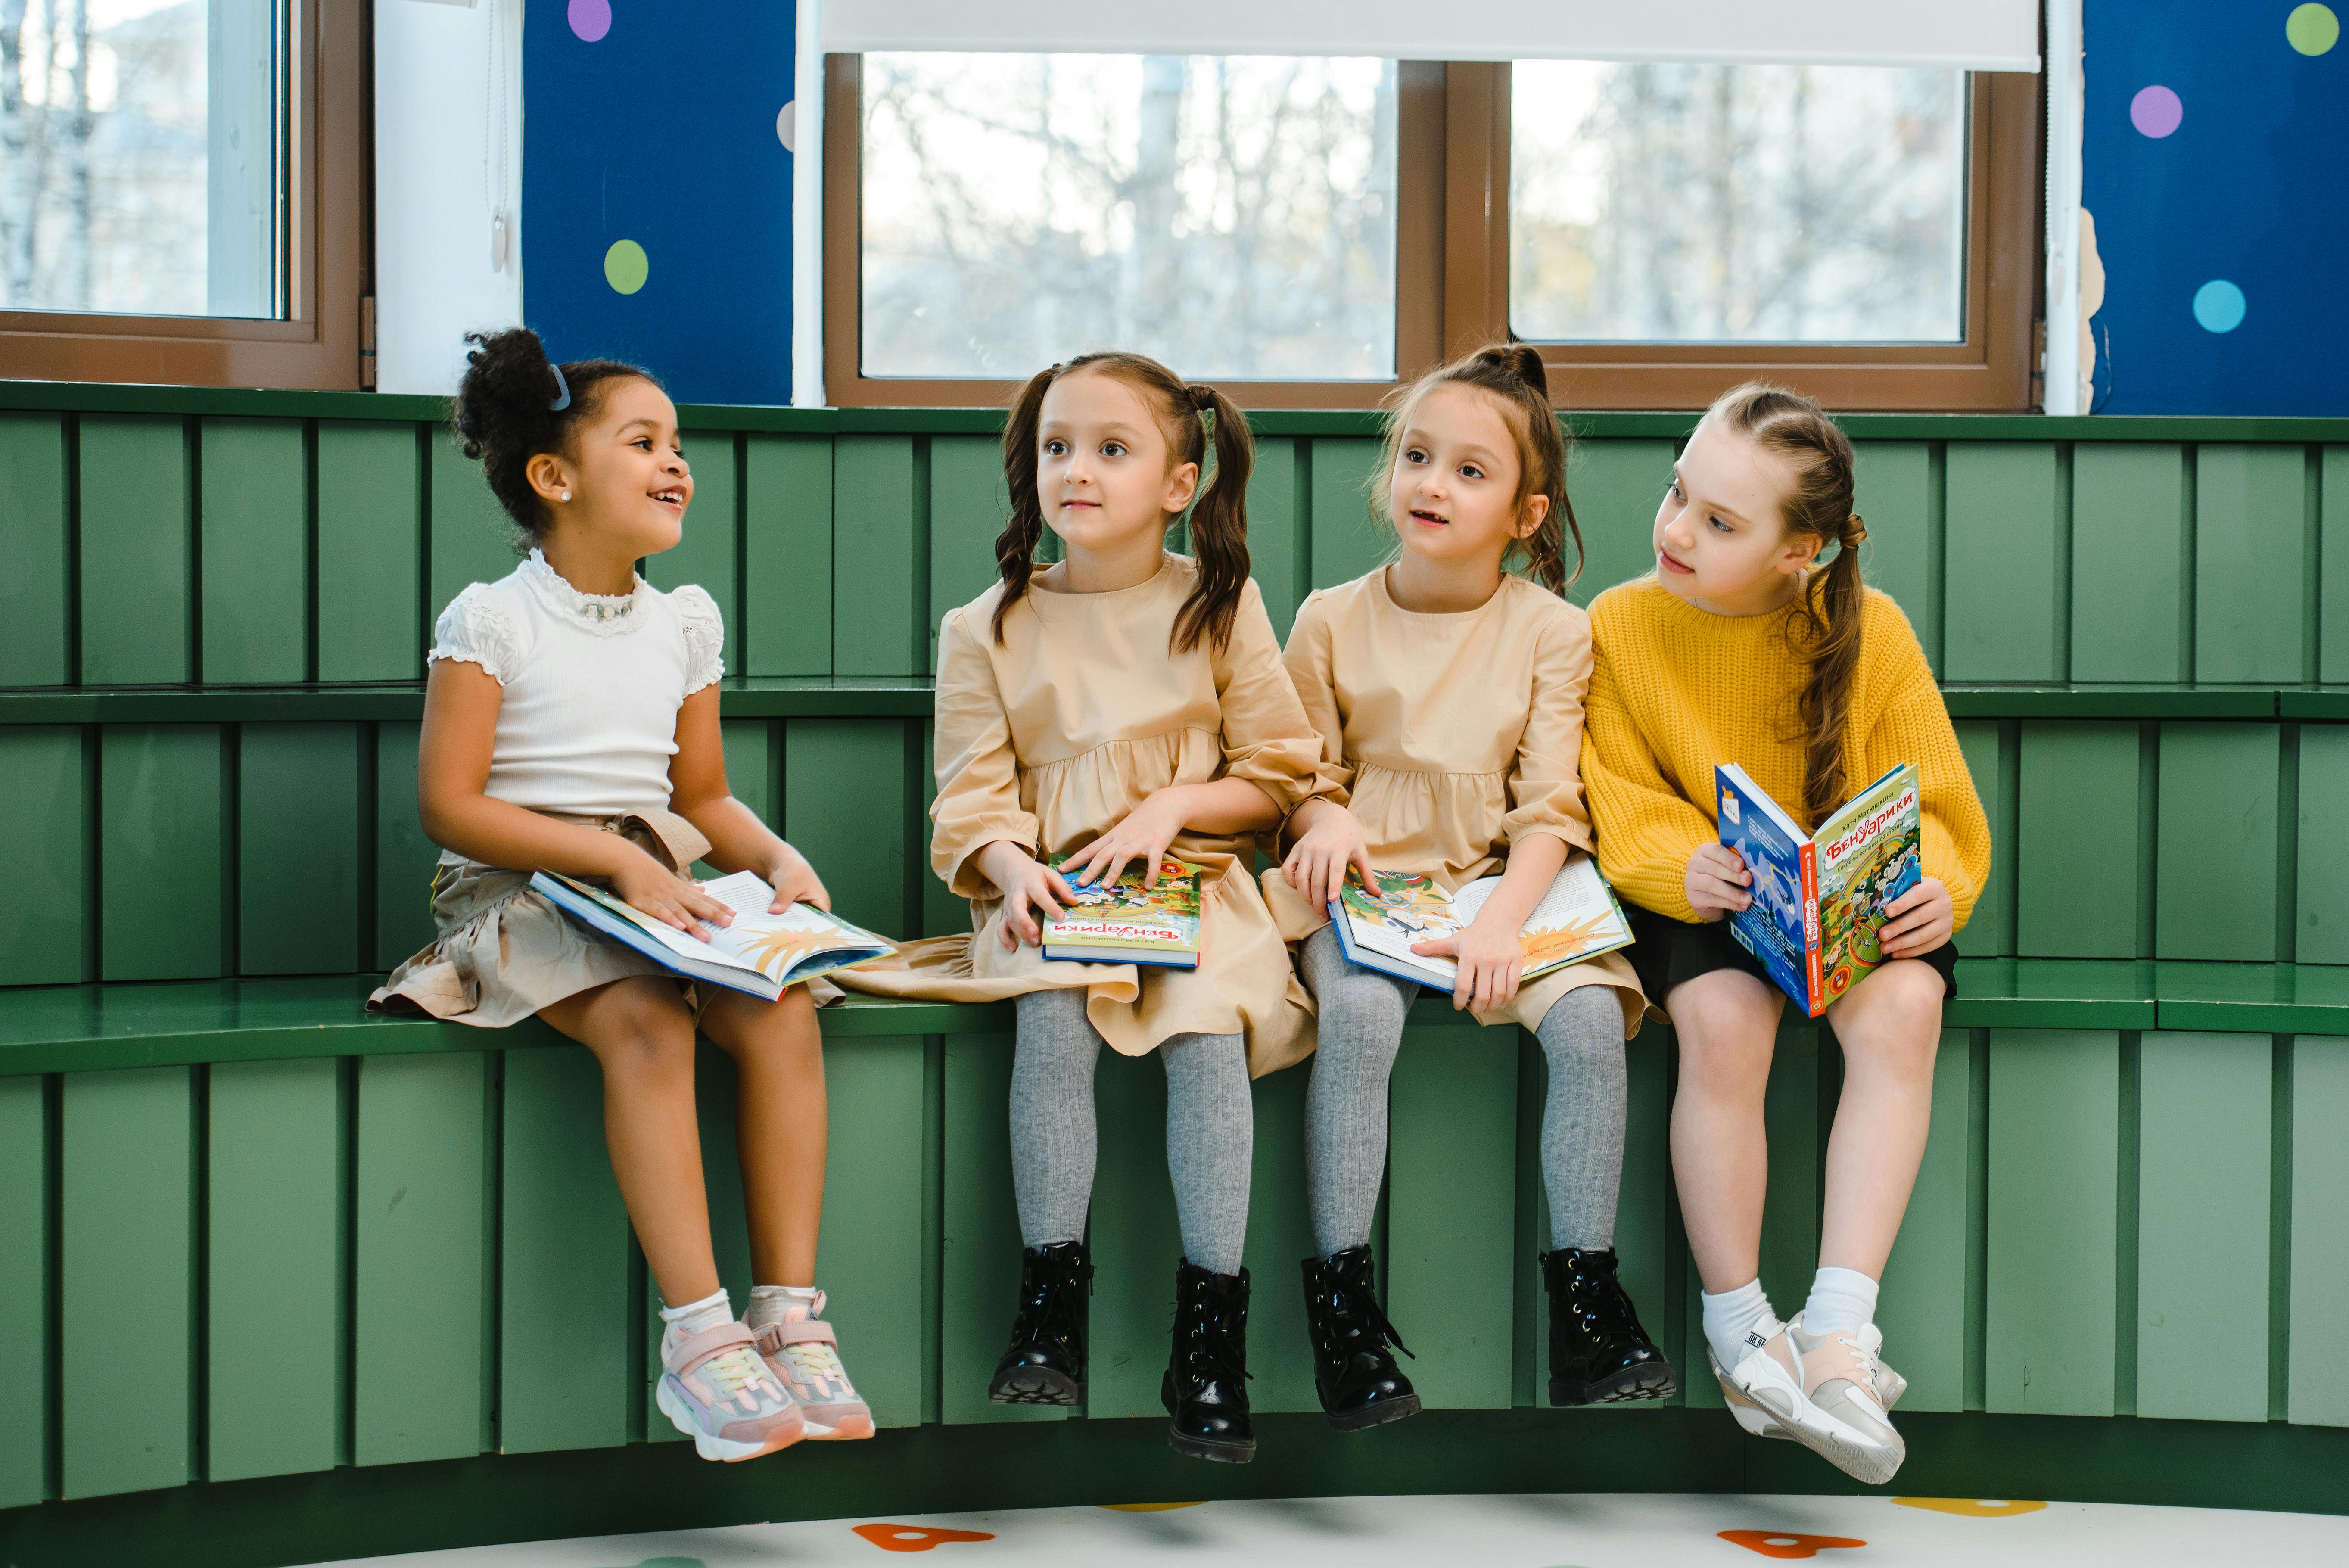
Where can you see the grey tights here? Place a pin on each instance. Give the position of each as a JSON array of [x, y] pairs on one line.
[[1210, 1129], [1361, 1013]]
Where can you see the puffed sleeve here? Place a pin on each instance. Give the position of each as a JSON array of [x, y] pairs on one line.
[[979, 772], [705, 636], [1546, 788], [475, 630], [1268, 740], [1911, 723], [1310, 671], [1646, 830]]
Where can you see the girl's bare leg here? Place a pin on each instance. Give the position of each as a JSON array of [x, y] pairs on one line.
[[1727, 1025], [1889, 1027], [780, 1125], [641, 1032]]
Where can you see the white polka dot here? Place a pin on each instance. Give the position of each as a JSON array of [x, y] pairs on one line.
[[787, 125]]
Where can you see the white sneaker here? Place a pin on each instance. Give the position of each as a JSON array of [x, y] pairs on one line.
[[1822, 1392], [1758, 1422]]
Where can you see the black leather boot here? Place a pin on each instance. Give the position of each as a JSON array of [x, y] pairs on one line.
[[1598, 1354], [1206, 1390], [1359, 1382], [1046, 1363]]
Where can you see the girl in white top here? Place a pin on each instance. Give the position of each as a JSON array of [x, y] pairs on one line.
[[571, 726]]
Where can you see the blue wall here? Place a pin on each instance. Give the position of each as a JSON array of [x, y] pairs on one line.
[[2243, 179], [656, 124]]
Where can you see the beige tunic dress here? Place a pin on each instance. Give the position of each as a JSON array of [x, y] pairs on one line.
[[1452, 738], [1050, 739]]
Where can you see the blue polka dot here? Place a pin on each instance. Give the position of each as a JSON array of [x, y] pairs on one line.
[[2219, 306]]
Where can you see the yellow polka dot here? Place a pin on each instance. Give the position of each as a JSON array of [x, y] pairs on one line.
[[1148, 1507], [2311, 29], [625, 266], [1971, 1507]]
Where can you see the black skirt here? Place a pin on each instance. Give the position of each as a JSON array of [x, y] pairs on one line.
[[1667, 951]]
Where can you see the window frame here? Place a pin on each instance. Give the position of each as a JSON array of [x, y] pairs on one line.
[[326, 216], [1452, 274]]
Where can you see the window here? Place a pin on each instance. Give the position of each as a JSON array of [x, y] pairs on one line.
[[181, 190]]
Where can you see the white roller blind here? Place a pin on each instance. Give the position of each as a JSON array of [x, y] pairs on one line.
[[1972, 35]]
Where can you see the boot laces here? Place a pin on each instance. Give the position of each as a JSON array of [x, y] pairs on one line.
[[1349, 1300]]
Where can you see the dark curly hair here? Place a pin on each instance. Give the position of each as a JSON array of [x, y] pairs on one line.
[[506, 415]]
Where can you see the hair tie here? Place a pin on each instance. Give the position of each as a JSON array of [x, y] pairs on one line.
[[1855, 530], [561, 390], [1203, 398]]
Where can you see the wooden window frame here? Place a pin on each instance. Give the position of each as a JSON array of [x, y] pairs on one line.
[[326, 216], [1452, 274]]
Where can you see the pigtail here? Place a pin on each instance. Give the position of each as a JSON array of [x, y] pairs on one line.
[[1218, 525], [1834, 602], [1015, 547]]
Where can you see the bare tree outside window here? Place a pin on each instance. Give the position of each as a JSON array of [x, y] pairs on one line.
[[140, 156], [1235, 217], [1666, 204]]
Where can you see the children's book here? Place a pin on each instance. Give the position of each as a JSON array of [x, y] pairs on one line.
[[762, 954], [1575, 920], [1819, 898], [1125, 923]]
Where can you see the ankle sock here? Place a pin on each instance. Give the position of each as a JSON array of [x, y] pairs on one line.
[[1737, 1322], [769, 1303], [1843, 1301], [712, 1311]]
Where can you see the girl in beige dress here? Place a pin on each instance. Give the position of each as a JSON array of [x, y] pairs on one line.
[[1448, 696], [1119, 706]]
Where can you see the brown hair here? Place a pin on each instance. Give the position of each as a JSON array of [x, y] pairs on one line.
[[1511, 372], [1790, 426], [505, 412], [1218, 511]]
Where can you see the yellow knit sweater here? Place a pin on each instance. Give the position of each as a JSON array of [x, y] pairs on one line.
[[1675, 690]]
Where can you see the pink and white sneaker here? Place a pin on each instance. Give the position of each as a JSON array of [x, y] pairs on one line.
[[802, 1351], [717, 1391]]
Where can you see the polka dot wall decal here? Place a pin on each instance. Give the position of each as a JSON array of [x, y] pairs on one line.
[[625, 266], [1972, 1507], [2219, 306], [590, 19], [787, 125], [2311, 29], [2156, 111]]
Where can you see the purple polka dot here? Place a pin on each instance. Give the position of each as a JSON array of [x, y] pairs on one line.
[[2155, 110], [591, 19]]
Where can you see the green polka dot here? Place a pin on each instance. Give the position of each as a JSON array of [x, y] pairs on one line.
[[2311, 29], [625, 266]]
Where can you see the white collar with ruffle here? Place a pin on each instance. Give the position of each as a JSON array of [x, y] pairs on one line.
[[601, 614]]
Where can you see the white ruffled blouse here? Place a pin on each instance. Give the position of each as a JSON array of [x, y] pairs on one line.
[[593, 683]]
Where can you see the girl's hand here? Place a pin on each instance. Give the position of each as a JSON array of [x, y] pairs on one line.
[[1492, 961], [1145, 834], [644, 883], [1318, 862], [794, 882], [1028, 885], [1919, 921], [1716, 881]]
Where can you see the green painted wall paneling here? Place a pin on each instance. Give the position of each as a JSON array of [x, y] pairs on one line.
[[2203, 1183], [1898, 496], [567, 1319], [2332, 556], [1451, 1242], [2317, 1376], [1616, 487], [878, 559], [404, 857], [2324, 881], [419, 1315], [2131, 505], [2077, 894], [274, 1268], [2008, 515], [160, 835], [1135, 1239], [127, 1234], [35, 601], [2250, 517], [1347, 540], [2216, 897], [844, 808], [875, 1243], [1279, 530], [44, 859], [1990, 932], [135, 549], [255, 527], [370, 612], [707, 554], [967, 509], [2054, 1150], [978, 1238], [472, 539], [1926, 1284], [787, 555], [25, 1291], [298, 849]]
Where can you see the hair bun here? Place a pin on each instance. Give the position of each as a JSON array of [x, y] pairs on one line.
[[1203, 398]]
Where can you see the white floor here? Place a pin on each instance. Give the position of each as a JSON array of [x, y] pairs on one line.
[[1616, 1530]]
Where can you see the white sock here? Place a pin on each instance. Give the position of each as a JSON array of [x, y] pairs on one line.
[[712, 1311], [1737, 1322], [1843, 1301], [768, 1302]]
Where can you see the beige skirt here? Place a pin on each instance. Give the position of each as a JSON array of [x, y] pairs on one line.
[[505, 951]]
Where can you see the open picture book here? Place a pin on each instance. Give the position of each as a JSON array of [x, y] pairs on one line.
[[761, 953], [1576, 919], [1125, 923], [1819, 898]]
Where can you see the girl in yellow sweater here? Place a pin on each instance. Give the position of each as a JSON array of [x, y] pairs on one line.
[[1742, 648]]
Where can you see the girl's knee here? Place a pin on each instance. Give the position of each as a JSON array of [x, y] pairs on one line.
[[785, 1028], [644, 1036]]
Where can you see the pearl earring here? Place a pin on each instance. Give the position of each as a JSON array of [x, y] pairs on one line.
[[566, 495]]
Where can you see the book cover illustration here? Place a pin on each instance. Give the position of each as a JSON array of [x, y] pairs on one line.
[[1820, 898], [761, 952], [1577, 918], [1123, 921]]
